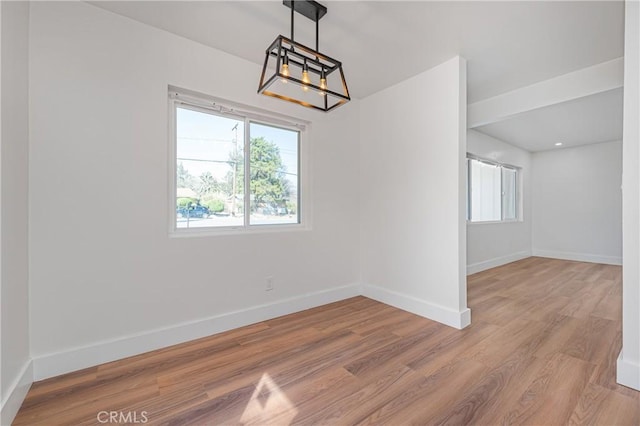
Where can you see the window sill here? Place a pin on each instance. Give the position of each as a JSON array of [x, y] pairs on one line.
[[494, 222], [222, 231]]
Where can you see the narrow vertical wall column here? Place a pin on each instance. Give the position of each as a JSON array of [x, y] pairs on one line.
[[413, 146], [1, 345], [462, 190], [16, 367], [628, 371]]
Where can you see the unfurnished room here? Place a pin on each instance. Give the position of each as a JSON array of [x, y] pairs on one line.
[[320, 213]]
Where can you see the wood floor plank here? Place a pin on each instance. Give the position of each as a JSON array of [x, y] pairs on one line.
[[558, 330], [512, 393], [51, 388], [600, 406], [223, 409], [294, 365], [505, 341], [605, 373], [591, 339], [377, 385], [329, 360], [545, 308], [450, 347], [610, 306], [389, 323], [542, 350], [368, 314], [433, 396], [300, 393], [389, 352], [417, 324], [167, 403], [226, 362], [584, 301], [87, 396], [497, 310], [553, 395], [72, 410], [178, 354], [483, 396]]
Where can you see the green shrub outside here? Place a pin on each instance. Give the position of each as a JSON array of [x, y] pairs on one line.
[[215, 206], [186, 202]]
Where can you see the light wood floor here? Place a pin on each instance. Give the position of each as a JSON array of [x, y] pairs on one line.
[[541, 350]]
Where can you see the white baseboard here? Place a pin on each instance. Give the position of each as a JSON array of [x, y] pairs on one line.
[[580, 257], [457, 319], [54, 364], [50, 365], [16, 394], [497, 261], [628, 373]]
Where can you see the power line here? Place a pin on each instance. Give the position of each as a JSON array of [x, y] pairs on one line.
[[206, 161], [204, 139]]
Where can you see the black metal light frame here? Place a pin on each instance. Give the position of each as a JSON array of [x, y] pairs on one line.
[[286, 50]]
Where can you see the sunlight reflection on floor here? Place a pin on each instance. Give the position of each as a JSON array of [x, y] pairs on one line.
[[268, 405]]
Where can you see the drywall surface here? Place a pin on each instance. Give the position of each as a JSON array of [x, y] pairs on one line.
[[577, 203], [494, 244], [14, 150], [106, 278], [413, 138]]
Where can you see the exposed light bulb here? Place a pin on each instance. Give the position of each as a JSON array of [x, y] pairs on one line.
[[284, 70], [305, 80], [323, 84], [305, 77]]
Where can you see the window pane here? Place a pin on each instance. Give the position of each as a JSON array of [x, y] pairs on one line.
[[509, 194], [485, 191], [209, 170], [273, 175]]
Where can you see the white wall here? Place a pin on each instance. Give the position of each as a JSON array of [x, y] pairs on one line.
[[106, 279], [494, 244], [577, 203], [15, 374], [628, 367], [413, 144]]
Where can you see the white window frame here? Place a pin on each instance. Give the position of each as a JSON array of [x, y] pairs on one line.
[[181, 98], [518, 189]]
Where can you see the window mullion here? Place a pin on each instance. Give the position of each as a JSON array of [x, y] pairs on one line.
[[502, 193], [247, 172]]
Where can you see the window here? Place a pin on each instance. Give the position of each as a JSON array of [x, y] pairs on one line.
[[233, 169], [492, 191]]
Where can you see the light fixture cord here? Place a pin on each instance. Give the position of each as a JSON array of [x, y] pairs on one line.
[[292, 12], [317, 32]]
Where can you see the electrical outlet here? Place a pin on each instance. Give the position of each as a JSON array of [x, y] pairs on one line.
[[269, 285]]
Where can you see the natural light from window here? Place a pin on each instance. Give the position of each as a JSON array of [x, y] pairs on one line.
[[268, 405], [492, 191], [211, 177]]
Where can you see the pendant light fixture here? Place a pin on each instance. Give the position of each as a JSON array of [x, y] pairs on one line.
[[296, 73]]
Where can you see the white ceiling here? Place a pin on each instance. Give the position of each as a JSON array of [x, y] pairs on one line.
[[587, 120], [507, 44]]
